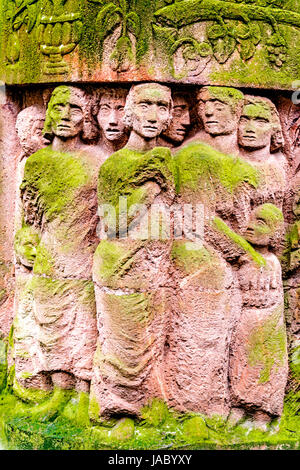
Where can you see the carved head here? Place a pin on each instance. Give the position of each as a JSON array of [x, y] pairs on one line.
[[111, 113], [67, 113], [148, 109], [219, 109], [29, 125], [181, 120], [265, 221], [25, 244], [259, 125]]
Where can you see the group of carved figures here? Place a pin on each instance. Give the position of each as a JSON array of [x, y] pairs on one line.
[[127, 319]]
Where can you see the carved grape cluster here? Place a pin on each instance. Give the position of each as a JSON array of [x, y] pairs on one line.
[[277, 50]]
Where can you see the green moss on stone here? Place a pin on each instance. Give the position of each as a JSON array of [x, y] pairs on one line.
[[29, 395], [195, 429], [222, 227], [190, 256], [112, 260], [44, 262], [267, 345], [156, 413], [200, 167], [123, 430], [55, 177], [3, 364], [127, 170]]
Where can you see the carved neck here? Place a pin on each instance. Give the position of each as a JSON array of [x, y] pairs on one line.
[[256, 155], [225, 143], [137, 142], [110, 147], [66, 145]]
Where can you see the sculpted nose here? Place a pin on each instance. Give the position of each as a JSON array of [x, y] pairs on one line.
[[185, 120], [113, 118], [209, 109], [66, 113]]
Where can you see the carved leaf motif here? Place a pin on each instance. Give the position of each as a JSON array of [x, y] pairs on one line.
[[247, 49], [223, 48], [19, 21], [76, 31], [133, 22], [107, 20], [13, 48], [122, 56], [66, 32], [98, 2], [168, 34], [32, 17]]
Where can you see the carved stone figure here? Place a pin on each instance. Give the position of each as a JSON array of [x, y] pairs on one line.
[[207, 302], [258, 358], [131, 274], [219, 109], [259, 131], [55, 326], [110, 119], [29, 125], [180, 123]]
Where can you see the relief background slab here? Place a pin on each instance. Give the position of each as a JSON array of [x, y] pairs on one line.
[[218, 42]]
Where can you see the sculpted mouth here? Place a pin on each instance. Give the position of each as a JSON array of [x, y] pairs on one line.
[[212, 122]]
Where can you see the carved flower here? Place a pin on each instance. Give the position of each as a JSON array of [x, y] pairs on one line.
[[247, 36], [190, 56], [277, 49]]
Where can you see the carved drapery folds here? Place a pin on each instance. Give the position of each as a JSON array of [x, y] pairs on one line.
[[129, 315]]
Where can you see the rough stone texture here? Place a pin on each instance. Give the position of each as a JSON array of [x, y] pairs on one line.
[[217, 42], [200, 326]]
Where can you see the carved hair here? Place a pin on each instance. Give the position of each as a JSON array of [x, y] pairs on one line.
[[27, 117], [231, 96], [130, 101], [64, 91], [277, 134], [114, 93]]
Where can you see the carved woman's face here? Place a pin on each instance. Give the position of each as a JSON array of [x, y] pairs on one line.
[[265, 220], [181, 121], [255, 127], [150, 112], [67, 116], [110, 117]]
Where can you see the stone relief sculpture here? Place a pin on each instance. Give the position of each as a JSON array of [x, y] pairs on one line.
[[110, 113], [131, 300], [258, 367], [55, 326], [112, 304], [180, 123], [219, 109]]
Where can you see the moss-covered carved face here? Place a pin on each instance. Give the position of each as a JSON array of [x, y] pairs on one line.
[[110, 117], [181, 121], [218, 115], [255, 127], [66, 114], [264, 222], [150, 110], [26, 242]]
